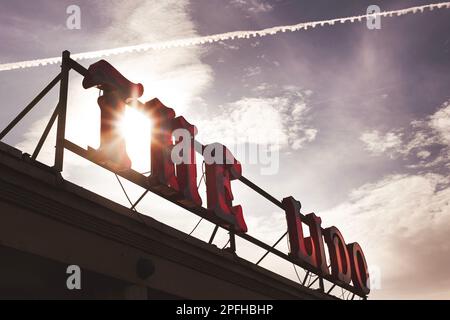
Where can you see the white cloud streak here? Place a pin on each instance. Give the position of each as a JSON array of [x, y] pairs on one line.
[[199, 40]]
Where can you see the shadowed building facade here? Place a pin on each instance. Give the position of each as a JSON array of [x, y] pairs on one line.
[[48, 223]]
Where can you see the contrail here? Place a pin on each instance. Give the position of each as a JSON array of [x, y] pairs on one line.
[[193, 41]]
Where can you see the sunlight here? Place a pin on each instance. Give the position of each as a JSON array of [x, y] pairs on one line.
[[135, 127]]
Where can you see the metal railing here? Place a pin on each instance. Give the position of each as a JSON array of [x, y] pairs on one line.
[[141, 180]]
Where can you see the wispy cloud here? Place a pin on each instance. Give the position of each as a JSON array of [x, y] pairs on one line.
[[252, 71], [401, 222], [402, 219], [378, 143], [427, 140], [282, 121], [253, 6]]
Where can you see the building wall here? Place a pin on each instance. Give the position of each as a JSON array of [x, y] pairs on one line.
[[47, 223]]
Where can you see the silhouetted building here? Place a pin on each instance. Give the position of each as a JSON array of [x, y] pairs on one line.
[[47, 224]]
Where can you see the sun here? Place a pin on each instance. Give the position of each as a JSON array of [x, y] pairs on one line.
[[136, 127]]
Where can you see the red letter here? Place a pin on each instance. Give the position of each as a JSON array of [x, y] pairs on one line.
[[112, 145], [218, 189], [315, 230], [340, 261], [301, 248], [360, 274], [117, 90], [105, 77], [162, 167], [187, 169]]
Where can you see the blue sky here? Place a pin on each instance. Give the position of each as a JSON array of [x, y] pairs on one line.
[[359, 119]]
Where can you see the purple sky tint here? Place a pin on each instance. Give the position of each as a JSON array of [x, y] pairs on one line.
[[361, 118]]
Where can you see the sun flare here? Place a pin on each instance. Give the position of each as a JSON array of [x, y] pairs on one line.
[[135, 127]]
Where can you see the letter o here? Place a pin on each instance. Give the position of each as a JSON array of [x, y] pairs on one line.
[[360, 273]]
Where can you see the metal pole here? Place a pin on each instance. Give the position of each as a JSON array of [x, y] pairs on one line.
[[331, 289], [321, 284], [232, 241], [45, 134], [30, 106], [133, 207], [305, 278], [314, 281], [274, 245], [213, 234], [62, 106], [265, 194]]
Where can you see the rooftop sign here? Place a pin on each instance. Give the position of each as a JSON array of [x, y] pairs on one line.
[[174, 176]]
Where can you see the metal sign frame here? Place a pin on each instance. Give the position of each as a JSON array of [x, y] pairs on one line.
[[312, 277]]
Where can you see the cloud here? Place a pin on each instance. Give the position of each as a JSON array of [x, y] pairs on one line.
[[253, 6], [401, 221], [281, 121], [381, 143], [228, 46], [252, 71], [425, 143], [423, 154], [177, 77], [440, 122]]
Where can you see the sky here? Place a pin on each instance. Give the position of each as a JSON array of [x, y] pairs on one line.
[[352, 122]]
